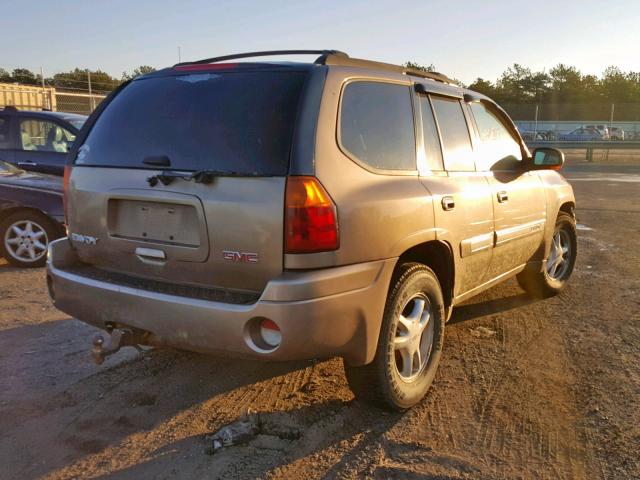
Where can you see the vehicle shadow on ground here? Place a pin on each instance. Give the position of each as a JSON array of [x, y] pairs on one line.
[[321, 426], [148, 405], [470, 311], [6, 267], [50, 422]]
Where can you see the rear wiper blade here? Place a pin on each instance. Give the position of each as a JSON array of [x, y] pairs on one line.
[[199, 176]]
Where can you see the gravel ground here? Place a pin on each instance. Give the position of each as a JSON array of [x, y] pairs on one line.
[[553, 394]]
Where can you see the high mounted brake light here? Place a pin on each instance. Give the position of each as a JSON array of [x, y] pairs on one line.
[[198, 67], [311, 219]]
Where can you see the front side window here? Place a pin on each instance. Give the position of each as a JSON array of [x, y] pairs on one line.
[[499, 150], [376, 125], [456, 142], [44, 136], [432, 149]]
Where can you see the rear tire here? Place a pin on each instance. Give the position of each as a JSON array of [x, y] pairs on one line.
[[558, 267], [410, 342], [24, 238]]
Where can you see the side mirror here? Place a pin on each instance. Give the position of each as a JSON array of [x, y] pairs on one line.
[[546, 158]]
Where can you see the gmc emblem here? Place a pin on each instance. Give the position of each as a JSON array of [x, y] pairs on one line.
[[242, 257]]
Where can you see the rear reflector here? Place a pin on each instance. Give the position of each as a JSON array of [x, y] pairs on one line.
[[311, 220]]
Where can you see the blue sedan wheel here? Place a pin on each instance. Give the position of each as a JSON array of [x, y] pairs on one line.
[[25, 237]]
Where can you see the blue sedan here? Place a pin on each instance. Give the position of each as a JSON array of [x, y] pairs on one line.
[[37, 141], [31, 215]]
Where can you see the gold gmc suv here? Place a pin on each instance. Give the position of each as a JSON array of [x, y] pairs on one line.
[[288, 211]]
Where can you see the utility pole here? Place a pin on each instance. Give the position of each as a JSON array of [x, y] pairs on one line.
[[45, 105], [179, 60], [91, 105], [613, 107]]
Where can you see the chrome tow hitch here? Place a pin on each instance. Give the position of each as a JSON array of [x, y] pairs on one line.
[[109, 343]]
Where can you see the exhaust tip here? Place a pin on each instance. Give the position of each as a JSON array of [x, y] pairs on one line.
[[262, 335]]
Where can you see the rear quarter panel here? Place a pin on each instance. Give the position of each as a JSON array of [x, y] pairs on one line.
[[380, 216]]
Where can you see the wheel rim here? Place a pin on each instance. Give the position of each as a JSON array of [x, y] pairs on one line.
[[413, 340], [560, 255], [26, 241]]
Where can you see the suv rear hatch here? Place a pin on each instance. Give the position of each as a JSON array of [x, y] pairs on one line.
[[182, 178]]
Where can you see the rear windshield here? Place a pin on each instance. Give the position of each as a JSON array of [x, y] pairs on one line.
[[233, 122]]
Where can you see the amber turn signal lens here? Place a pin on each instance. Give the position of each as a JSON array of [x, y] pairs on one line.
[[311, 220]]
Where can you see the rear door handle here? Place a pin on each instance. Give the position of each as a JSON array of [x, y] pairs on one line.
[[448, 203], [503, 197]]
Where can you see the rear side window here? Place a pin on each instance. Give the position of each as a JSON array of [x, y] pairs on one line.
[[456, 142], [43, 136], [376, 125], [238, 122], [499, 150]]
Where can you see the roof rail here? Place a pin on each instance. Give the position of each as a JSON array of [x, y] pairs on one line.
[[269, 53], [358, 62], [328, 57]]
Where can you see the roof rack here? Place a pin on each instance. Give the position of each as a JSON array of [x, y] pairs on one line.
[[268, 53], [358, 62], [328, 57]]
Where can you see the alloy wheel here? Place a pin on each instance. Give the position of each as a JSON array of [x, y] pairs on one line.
[[414, 337], [26, 241]]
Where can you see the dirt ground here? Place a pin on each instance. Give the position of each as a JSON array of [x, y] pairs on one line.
[[553, 394]]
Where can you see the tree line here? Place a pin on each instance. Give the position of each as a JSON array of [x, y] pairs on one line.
[[76, 79], [562, 84]]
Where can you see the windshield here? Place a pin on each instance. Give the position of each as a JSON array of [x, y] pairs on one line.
[[77, 123], [240, 122]]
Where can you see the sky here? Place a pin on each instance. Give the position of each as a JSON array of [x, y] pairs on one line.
[[463, 39]]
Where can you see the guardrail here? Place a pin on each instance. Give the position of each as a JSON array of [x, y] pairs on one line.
[[599, 145], [606, 145]]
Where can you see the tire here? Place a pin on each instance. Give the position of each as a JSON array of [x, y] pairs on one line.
[[553, 276], [37, 231], [389, 381]]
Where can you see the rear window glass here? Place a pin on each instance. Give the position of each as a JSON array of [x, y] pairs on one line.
[[234, 122]]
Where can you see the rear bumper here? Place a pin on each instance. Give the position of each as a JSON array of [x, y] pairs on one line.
[[321, 313]]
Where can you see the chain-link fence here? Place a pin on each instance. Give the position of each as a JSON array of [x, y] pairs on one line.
[[553, 121], [28, 97]]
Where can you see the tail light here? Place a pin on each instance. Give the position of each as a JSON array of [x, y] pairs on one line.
[[311, 220], [65, 191]]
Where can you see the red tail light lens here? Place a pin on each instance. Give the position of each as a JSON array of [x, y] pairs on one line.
[[65, 191], [311, 220]]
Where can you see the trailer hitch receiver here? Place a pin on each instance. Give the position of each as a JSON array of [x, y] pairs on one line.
[[108, 344]]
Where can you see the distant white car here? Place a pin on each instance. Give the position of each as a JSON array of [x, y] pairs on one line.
[[616, 133], [603, 129]]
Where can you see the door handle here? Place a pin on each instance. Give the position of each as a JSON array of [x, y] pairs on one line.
[[27, 164], [503, 197], [448, 203], [151, 255]]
